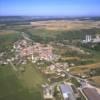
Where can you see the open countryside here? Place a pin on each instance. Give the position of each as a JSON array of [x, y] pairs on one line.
[[49, 50]]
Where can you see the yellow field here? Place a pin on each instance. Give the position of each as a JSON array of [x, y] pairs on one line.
[[70, 58], [65, 24], [96, 79], [84, 68], [4, 32]]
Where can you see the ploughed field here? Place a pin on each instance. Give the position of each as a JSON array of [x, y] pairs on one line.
[[66, 24]]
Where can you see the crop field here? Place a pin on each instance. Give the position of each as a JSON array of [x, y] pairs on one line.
[[55, 30], [31, 78], [2, 32], [10, 86], [7, 40], [84, 68], [96, 80], [20, 86], [65, 24]]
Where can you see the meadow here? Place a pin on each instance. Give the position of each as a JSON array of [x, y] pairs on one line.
[[20, 86]]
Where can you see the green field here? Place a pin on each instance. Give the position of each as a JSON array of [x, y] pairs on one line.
[[20, 86], [7, 40]]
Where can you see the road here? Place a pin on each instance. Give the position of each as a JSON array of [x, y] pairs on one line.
[[14, 68]]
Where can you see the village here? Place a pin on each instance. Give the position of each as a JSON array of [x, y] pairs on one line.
[[62, 85], [49, 49]]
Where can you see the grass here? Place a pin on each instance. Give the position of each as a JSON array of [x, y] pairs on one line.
[[84, 68], [42, 33], [95, 54], [10, 87], [96, 80], [31, 78], [75, 82], [7, 40], [27, 87], [6, 32]]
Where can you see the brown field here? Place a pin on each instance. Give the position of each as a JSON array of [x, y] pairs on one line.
[[96, 79], [70, 58], [84, 68], [65, 24], [3, 32]]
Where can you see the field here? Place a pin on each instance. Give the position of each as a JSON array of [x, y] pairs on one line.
[[31, 78], [2, 32], [65, 24], [84, 68], [55, 30], [20, 86], [7, 39], [96, 80], [10, 86]]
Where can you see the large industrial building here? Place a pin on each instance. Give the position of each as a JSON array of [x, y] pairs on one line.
[[67, 92], [91, 39]]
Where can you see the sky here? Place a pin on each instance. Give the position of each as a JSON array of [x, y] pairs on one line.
[[50, 7]]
